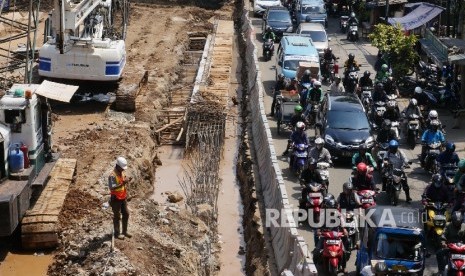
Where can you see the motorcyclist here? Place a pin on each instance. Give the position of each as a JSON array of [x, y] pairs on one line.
[[315, 95], [352, 19], [362, 180], [379, 95], [365, 80], [385, 135], [422, 98], [390, 87], [431, 135], [362, 156], [453, 233], [448, 156], [391, 113], [459, 182], [331, 204], [306, 77], [328, 55], [336, 86], [433, 116], [293, 85], [269, 34], [398, 160], [308, 175], [436, 191], [346, 200], [383, 74], [350, 64], [279, 85], [319, 153], [298, 136], [412, 109], [298, 116]]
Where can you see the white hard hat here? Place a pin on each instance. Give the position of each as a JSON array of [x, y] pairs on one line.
[[413, 102], [317, 83], [300, 125], [418, 90], [433, 114], [319, 141], [122, 162]]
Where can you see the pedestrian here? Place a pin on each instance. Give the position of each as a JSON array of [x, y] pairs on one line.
[[117, 183]]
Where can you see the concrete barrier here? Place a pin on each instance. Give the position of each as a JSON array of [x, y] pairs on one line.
[[290, 250]]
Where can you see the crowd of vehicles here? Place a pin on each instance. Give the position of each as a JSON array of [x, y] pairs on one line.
[[365, 118]]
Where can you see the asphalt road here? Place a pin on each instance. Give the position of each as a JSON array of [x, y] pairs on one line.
[[365, 54]]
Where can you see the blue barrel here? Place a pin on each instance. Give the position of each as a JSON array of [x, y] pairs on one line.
[[16, 159]]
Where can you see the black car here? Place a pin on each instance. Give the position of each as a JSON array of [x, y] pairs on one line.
[[279, 19], [344, 124]]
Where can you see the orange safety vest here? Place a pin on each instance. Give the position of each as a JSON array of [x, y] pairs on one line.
[[120, 192]]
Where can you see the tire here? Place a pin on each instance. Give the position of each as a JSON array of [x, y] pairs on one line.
[[411, 140], [332, 270]]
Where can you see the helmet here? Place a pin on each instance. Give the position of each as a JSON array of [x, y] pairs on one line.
[[281, 76], [379, 86], [268, 28], [437, 180], [352, 14], [367, 74], [387, 123], [317, 83], [300, 125], [393, 144], [381, 267], [330, 202], [122, 162], [351, 56], [384, 67], [362, 168], [319, 141], [433, 115], [307, 72], [362, 147], [450, 147], [294, 79], [457, 218], [298, 108], [413, 102], [329, 50], [337, 78], [391, 104], [461, 164], [347, 186], [418, 90]]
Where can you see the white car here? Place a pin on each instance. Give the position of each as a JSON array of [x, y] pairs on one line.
[[317, 33], [260, 6]]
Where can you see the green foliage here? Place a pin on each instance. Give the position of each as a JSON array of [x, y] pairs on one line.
[[400, 47]]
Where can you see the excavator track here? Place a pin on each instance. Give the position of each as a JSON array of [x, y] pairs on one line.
[[39, 226]]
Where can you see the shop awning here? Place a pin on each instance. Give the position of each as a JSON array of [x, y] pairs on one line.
[[421, 14]]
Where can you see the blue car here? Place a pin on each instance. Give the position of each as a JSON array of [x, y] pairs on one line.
[[394, 237]]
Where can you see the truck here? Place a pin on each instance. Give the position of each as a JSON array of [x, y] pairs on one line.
[[33, 181]]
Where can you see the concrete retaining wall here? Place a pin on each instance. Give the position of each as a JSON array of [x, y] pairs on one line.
[[290, 250]]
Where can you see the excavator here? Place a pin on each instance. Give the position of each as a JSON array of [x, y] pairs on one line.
[[85, 40]]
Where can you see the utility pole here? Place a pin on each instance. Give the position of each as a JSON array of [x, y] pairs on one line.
[[448, 18]]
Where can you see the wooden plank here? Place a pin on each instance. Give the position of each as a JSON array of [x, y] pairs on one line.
[[170, 124]]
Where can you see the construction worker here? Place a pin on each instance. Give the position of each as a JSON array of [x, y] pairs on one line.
[[117, 182]]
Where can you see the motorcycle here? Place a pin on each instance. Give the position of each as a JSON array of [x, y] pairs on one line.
[[299, 158], [456, 262], [436, 217], [367, 100], [413, 127], [394, 179], [323, 172], [331, 69], [366, 198], [353, 33], [448, 172], [268, 49], [395, 128], [332, 251], [350, 224], [350, 83], [427, 71], [314, 200], [343, 23], [432, 152], [313, 116], [378, 114]]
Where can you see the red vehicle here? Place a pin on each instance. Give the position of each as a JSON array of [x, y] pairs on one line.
[[366, 198], [456, 259], [332, 251], [314, 199]]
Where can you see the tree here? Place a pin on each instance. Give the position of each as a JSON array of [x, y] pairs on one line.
[[399, 47]]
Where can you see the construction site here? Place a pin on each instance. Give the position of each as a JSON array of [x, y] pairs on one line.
[[174, 114]]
